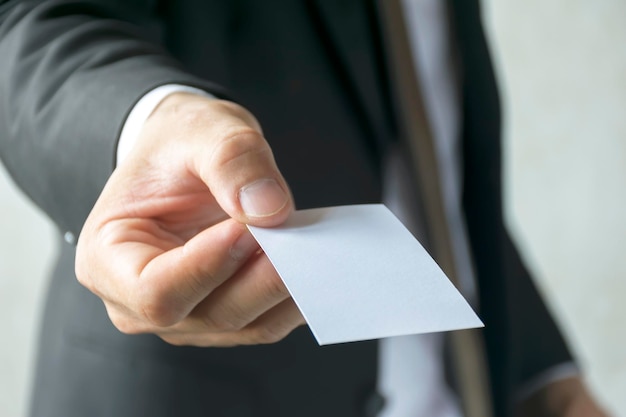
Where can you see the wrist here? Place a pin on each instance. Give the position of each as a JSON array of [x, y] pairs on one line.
[[142, 110]]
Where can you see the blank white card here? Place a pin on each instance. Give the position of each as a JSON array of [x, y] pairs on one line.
[[357, 273]]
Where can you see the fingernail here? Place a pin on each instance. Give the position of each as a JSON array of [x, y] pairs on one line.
[[262, 198], [245, 246]]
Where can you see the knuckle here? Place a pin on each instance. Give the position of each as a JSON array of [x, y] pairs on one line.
[[125, 326], [89, 279], [156, 309], [194, 116], [198, 114], [195, 283], [229, 107], [82, 276], [239, 144], [123, 323], [240, 112], [272, 286], [81, 269]]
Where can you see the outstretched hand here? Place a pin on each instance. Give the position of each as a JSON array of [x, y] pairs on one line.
[[166, 247]]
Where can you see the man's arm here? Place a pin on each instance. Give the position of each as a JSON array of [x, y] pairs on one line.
[[70, 72], [165, 246]]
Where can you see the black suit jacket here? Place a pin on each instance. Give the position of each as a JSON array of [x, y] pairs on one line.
[[312, 72]]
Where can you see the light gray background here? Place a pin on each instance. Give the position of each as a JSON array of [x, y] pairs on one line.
[[562, 65]]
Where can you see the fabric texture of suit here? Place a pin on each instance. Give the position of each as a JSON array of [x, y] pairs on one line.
[[312, 72]]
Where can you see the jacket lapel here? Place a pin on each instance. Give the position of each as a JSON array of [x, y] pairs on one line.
[[353, 41]]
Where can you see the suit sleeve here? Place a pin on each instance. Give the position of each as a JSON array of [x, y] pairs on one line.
[[70, 71], [536, 341]]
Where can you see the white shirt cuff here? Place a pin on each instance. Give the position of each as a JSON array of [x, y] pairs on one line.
[[142, 110], [553, 374]]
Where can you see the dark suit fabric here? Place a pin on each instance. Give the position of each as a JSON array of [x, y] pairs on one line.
[[312, 72]]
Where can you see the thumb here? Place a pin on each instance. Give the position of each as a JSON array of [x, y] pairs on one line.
[[239, 168]]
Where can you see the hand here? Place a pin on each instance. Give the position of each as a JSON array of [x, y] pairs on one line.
[[564, 398], [165, 245]]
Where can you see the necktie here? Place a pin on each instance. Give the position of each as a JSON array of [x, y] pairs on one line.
[[467, 350]]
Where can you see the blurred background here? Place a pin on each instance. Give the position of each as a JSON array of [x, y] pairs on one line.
[[562, 69]]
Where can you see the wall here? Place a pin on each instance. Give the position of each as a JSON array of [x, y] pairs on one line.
[[26, 252], [562, 64]]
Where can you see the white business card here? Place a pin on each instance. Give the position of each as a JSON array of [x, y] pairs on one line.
[[357, 273]]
